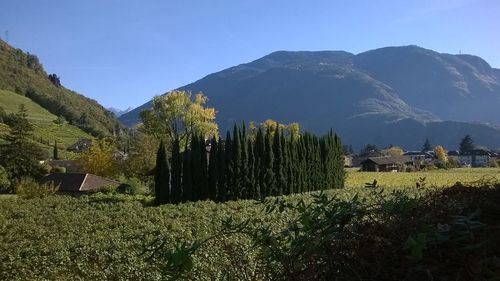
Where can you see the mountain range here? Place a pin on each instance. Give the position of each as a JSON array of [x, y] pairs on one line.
[[393, 95]]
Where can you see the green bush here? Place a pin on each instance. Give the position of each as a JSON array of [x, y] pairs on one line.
[[28, 188], [493, 163], [134, 186], [4, 180], [108, 189]]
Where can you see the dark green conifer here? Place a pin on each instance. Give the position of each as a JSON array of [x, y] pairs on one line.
[[55, 152], [162, 180], [176, 165], [196, 167], [278, 164], [236, 184], [269, 177], [260, 163], [187, 177], [203, 185], [229, 169], [221, 172], [213, 169], [253, 190]]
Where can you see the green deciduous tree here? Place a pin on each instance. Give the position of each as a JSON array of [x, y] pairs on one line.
[[99, 159]]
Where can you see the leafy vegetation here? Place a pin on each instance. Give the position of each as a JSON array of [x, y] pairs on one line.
[[28, 188], [20, 155], [23, 74], [120, 237], [242, 167]]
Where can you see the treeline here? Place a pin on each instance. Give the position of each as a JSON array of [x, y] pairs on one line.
[[248, 166]]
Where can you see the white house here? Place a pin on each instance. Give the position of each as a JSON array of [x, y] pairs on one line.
[[475, 158]]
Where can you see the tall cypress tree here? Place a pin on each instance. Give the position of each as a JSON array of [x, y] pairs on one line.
[[196, 167], [55, 151], [229, 169], [204, 192], [187, 178], [260, 163], [269, 177], [213, 167], [253, 189], [278, 163], [221, 172], [162, 180], [176, 165], [236, 184], [244, 168]]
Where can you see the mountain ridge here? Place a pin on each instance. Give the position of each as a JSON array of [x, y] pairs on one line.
[[347, 92]]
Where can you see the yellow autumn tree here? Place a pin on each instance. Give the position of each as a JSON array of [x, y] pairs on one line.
[[177, 115], [393, 151], [292, 129], [99, 159], [441, 154]]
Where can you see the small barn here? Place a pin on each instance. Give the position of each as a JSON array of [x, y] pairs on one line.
[[79, 183], [388, 164]]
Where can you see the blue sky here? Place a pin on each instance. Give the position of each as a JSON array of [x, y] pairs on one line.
[[122, 53]]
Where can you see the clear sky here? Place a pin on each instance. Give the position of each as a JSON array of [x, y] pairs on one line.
[[122, 53]]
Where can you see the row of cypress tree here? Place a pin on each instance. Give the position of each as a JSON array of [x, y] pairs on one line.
[[245, 166]]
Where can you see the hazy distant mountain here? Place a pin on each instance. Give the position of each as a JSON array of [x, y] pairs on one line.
[[118, 112], [397, 95]]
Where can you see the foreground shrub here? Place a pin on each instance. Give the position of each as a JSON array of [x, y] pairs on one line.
[[398, 236], [4, 180], [28, 188], [134, 186]]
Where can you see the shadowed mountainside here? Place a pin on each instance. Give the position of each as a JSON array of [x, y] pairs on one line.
[[397, 95]]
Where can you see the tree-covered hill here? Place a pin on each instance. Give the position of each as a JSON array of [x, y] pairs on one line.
[[23, 74]]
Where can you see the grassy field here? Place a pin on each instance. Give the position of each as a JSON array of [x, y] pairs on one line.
[[42, 120], [436, 178], [61, 238]]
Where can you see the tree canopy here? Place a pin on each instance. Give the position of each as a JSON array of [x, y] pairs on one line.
[[466, 144], [178, 116]]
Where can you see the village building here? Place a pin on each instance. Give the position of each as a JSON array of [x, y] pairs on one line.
[[476, 158], [80, 183], [388, 164], [420, 156]]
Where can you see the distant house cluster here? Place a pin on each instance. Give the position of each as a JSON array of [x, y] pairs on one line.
[[375, 161]]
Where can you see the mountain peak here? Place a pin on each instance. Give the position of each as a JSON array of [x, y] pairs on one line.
[[382, 96]]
